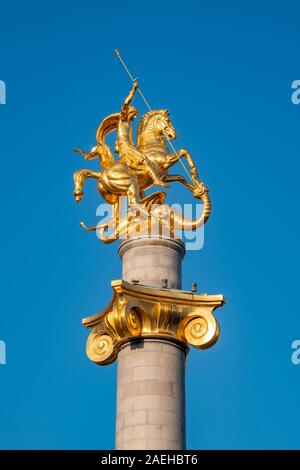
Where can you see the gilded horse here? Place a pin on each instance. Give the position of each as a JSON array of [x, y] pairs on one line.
[[129, 178]]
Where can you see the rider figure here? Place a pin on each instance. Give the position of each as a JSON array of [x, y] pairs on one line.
[[124, 145]]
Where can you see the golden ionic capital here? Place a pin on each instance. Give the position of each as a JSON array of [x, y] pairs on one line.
[[137, 312]]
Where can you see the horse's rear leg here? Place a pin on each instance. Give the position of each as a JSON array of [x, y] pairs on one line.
[[133, 191], [79, 179]]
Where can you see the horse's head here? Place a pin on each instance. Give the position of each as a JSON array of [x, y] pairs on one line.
[[164, 125], [155, 125]]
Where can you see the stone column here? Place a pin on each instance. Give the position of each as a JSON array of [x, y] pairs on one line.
[[149, 260], [151, 372]]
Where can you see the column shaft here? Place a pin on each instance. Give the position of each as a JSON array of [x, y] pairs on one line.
[[149, 260], [151, 396], [151, 372]]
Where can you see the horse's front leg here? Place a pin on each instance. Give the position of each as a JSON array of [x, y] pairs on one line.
[[184, 153], [173, 158], [79, 178]]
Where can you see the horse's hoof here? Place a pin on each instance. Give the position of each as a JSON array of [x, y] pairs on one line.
[[78, 196]]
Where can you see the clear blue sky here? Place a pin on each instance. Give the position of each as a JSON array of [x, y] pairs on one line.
[[224, 69]]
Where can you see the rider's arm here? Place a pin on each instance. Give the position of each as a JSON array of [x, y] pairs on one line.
[[129, 99]]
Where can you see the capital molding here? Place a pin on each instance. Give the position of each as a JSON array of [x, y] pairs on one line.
[[140, 312]]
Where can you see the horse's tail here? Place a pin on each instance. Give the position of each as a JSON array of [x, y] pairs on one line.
[[106, 157], [101, 151]]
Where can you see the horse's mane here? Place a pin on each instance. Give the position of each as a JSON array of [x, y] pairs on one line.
[[144, 121]]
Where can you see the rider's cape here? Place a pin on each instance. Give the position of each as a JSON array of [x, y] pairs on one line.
[[102, 150], [108, 125]]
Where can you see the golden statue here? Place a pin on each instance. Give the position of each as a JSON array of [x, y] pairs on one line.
[[139, 311], [138, 168]]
